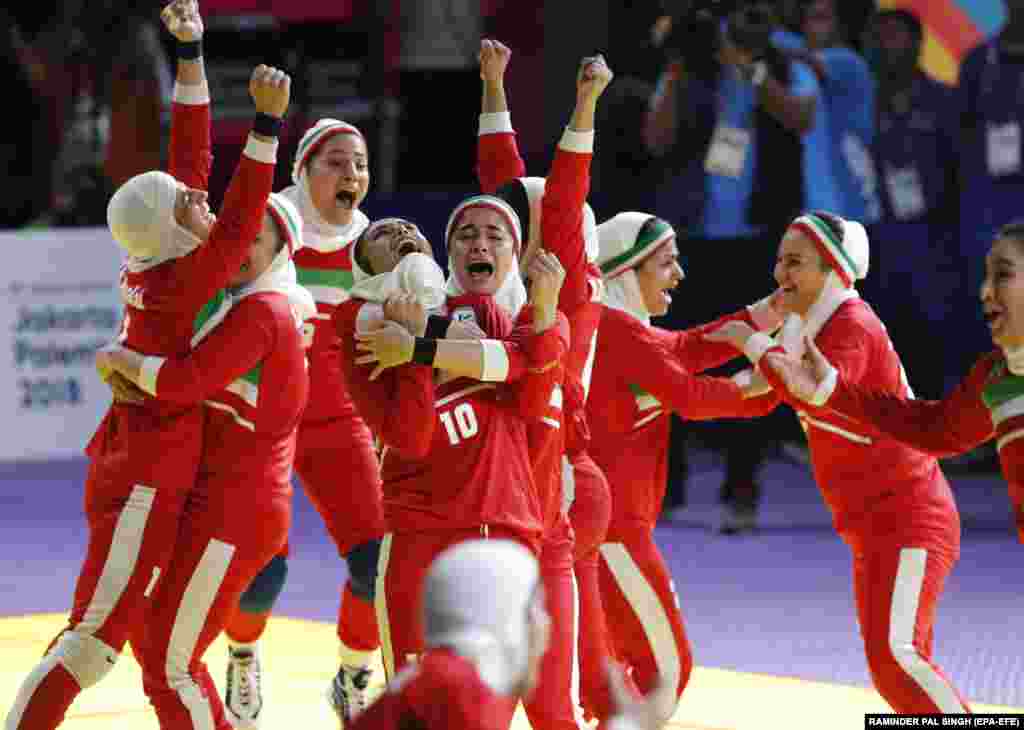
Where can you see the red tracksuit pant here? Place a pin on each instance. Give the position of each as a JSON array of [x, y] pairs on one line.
[[405, 558], [645, 622], [897, 587], [216, 557], [338, 468], [589, 515], [555, 702], [133, 507]]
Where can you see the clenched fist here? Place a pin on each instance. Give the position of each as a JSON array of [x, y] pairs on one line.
[[271, 90], [593, 78], [183, 21], [494, 57]]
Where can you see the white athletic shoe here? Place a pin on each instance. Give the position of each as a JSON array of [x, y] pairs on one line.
[[243, 697], [349, 692]]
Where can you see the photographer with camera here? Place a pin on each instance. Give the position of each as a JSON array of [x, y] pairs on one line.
[[729, 115]]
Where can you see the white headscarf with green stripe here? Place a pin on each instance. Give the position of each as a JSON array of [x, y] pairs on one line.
[[622, 250], [321, 235], [511, 294], [281, 276], [848, 256]]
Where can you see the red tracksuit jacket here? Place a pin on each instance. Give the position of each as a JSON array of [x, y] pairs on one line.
[[565, 193], [456, 454], [250, 370], [641, 374], [989, 402], [875, 486], [161, 303]]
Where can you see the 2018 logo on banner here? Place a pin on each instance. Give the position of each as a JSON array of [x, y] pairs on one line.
[[62, 305]]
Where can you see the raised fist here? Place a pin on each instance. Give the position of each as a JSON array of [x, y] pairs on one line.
[[593, 77], [494, 57], [182, 20], [271, 90]]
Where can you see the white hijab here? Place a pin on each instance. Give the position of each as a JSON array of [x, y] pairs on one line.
[[511, 293], [416, 273], [140, 215], [796, 329], [476, 600]]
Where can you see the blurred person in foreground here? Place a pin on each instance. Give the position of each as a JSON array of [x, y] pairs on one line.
[[486, 630]]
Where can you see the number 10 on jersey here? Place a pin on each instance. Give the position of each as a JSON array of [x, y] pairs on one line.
[[460, 423]]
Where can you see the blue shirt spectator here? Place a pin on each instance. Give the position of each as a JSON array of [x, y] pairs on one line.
[[732, 154], [917, 272], [838, 154]]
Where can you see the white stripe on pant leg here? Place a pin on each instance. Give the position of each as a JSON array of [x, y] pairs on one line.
[[28, 688], [574, 687], [199, 595], [125, 546], [648, 608], [906, 597], [380, 605]]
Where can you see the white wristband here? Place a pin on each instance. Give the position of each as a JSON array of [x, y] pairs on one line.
[[757, 345], [766, 319], [150, 372], [192, 94], [495, 123], [581, 142], [261, 151], [495, 366], [825, 388]]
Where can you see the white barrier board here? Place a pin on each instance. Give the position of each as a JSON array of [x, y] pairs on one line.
[[62, 303]]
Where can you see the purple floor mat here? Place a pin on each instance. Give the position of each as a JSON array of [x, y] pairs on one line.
[[777, 602]]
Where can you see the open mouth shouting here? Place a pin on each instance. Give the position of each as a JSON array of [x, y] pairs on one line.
[[346, 198], [480, 271], [993, 317]]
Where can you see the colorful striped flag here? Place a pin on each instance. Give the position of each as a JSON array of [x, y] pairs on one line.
[[951, 29]]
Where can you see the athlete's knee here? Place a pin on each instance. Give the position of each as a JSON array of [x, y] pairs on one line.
[[362, 569], [262, 593], [86, 658]]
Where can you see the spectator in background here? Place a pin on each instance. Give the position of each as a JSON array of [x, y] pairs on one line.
[[915, 153], [732, 114], [991, 93], [103, 78], [838, 158]]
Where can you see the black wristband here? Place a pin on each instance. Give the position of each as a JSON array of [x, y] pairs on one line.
[[437, 327], [190, 50], [267, 125], [424, 351]]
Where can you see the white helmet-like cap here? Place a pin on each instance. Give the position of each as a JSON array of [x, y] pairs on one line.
[[476, 601], [141, 218]]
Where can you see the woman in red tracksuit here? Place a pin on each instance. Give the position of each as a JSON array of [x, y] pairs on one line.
[[179, 255], [641, 375], [987, 404], [559, 219], [890, 503], [455, 461], [248, 367], [336, 462]]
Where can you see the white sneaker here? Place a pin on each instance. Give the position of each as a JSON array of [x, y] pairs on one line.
[[349, 692], [243, 697]]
